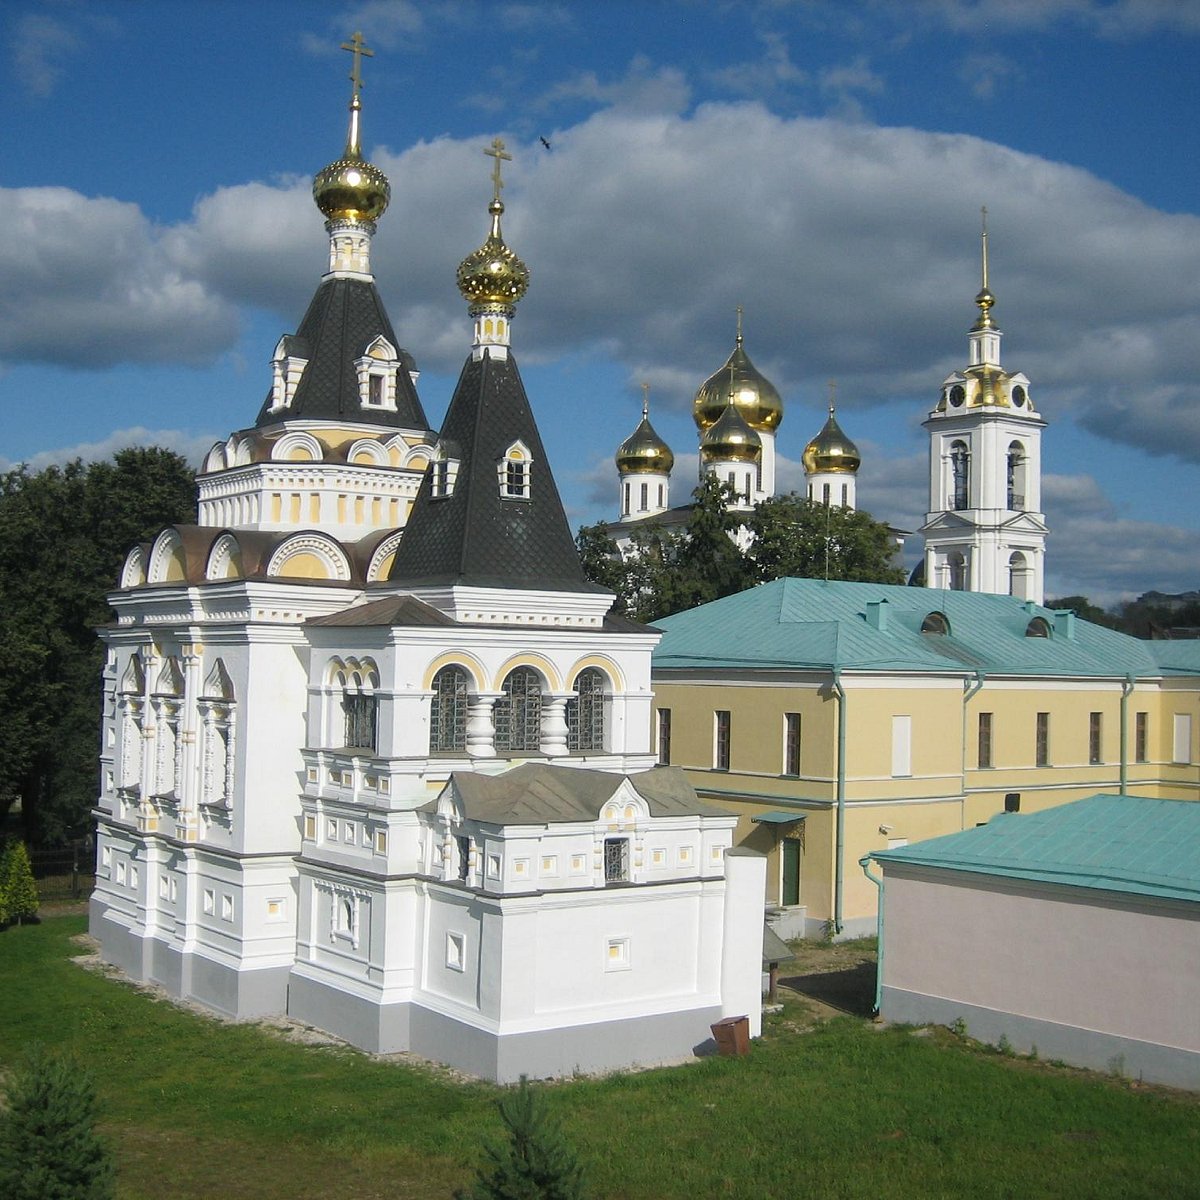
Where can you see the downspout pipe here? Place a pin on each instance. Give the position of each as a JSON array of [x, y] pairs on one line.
[[840, 848], [1126, 692], [970, 691], [877, 880]]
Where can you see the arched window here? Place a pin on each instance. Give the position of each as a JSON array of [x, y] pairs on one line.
[[1016, 477], [956, 571], [514, 472], [168, 703], [936, 622], [585, 712], [1038, 627], [216, 709], [1020, 576], [448, 713], [960, 472], [518, 713]]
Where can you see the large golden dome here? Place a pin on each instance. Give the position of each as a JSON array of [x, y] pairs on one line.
[[643, 452], [730, 439], [831, 451], [741, 384], [493, 277]]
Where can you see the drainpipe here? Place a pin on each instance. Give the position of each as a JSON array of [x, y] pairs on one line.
[[1126, 692], [970, 690], [838, 872], [877, 880]]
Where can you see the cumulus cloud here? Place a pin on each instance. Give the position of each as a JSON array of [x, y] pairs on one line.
[[41, 47], [98, 286], [191, 446]]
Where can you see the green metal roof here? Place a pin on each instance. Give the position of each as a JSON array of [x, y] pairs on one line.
[[777, 818], [1110, 843], [819, 624]]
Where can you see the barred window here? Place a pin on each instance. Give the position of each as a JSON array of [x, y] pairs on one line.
[[361, 712], [518, 713], [1095, 737], [791, 744], [448, 713], [1042, 740], [664, 737], [985, 739], [585, 712], [616, 860], [721, 739]]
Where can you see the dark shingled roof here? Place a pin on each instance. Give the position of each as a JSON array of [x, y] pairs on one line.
[[474, 536], [344, 318], [542, 793]]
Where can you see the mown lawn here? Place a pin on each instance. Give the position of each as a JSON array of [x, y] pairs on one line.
[[198, 1108]]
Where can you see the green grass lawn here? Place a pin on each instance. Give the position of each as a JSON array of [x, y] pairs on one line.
[[199, 1108]]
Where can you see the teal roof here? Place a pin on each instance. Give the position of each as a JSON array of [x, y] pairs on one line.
[[814, 623], [1177, 657], [1110, 843]]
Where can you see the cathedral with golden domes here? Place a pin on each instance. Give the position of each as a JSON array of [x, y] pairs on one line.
[[376, 755]]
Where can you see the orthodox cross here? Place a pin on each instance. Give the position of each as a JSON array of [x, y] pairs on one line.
[[739, 324], [356, 47], [496, 150], [645, 400], [983, 211], [832, 396]]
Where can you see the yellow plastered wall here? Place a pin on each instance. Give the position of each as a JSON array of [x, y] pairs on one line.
[[304, 566]]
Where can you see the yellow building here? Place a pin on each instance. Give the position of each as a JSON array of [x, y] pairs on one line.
[[842, 718]]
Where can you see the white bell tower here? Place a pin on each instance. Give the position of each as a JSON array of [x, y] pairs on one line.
[[985, 531]]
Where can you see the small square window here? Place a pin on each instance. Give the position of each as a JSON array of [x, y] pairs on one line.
[[549, 864], [685, 855], [381, 841], [493, 866], [520, 868], [310, 828], [616, 956], [578, 864], [658, 857], [277, 909], [312, 775]]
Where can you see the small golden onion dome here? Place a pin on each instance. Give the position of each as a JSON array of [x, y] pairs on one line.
[[740, 383], [643, 452], [831, 451], [352, 189], [493, 277], [730, 439]]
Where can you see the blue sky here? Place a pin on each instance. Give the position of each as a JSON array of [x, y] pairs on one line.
[[820, 163]]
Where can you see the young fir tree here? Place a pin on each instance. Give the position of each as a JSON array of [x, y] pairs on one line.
[[535, 1164], [20, 901], [49, 1149]]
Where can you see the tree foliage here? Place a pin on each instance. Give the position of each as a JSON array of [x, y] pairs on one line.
[[664, 571], [64, 533], [535, 1163], [49, 1149], [18, 890]]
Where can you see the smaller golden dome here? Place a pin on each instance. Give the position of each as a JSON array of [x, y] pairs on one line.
[[730, 439], [493, 277], [831, 451], [643, 452]]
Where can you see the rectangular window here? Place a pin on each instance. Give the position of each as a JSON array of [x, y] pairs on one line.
[[1182, 741], [721, 739], [375, 391], [464, 857], [645, 497], [664, 737], [1141, 737], [1095, 737], [361, 712], [381, 841], [617, 956], [616, 860], [985, 739], [1042, 740], [902, 745], [456, 946], [210, 900], [226, 907], [791, 744]]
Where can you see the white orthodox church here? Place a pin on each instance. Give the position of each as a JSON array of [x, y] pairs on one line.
[[984, 530], [375, 753]]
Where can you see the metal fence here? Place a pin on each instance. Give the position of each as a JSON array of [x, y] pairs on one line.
[[65, 873]]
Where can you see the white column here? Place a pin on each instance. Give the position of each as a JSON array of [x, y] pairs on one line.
[[481, 729], [554, 724]]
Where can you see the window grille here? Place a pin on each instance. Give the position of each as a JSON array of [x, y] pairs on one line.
[[722, 739], [585, 712], [361, 712], [448, 712], [1141, 737], [791, 756], [1042, 748], [664, 737], [985, 739], [616, 860], [960, 467], [1095, 740], [464, 858], [518, 713]]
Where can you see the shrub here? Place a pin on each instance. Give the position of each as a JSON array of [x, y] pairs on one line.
[[17, 884], [49, 1149]]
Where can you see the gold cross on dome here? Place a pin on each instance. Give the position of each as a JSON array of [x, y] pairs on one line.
[[645, 399], [358, 48], [496, 150], [832, 396]]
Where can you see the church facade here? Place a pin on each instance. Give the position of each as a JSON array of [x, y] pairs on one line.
[[375, 753]]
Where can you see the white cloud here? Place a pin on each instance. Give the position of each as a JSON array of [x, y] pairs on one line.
[[97, 287], [41, 47], [1109, 18], [192, 446]]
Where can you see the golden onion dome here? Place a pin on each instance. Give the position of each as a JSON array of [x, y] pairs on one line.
[[353, 189], [643, 452], [493, 277], [741, 384], [831, 451], [730, 439]]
